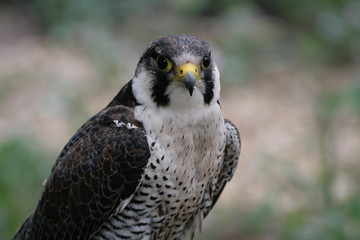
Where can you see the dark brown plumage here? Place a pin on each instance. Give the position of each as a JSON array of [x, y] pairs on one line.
[[100, 167]]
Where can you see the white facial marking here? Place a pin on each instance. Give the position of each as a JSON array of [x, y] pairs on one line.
[[142, 88]]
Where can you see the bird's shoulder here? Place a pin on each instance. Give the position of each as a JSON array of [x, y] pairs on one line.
[[232, 149], [99, 168], [230, 161]]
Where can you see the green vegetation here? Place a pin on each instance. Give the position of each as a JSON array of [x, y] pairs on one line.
[[24, 167]]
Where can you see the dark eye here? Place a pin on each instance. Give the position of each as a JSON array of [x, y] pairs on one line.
[[206, 62], [163, 63]]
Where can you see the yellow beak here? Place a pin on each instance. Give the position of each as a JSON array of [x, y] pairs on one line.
[[187, 75]]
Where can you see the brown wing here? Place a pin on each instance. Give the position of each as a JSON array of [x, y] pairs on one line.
[[99, 168]]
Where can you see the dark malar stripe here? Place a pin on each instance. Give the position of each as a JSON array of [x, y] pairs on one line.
[[209, 86], [160, 84]]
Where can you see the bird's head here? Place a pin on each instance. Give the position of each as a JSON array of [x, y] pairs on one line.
[[177, 71]]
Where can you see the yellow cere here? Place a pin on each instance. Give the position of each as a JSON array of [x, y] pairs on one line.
[[188, 67]]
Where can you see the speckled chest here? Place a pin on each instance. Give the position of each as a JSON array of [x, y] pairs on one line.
[[186, 157]]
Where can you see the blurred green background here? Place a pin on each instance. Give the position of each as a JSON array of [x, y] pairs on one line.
[[290, 74]]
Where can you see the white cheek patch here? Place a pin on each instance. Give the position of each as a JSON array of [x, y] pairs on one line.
[[142, 88], [217, 87], [122, 124]]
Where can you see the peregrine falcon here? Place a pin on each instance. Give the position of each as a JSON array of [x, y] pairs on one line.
[[151, 164]]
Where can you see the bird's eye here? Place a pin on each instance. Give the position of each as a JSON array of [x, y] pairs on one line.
[[163, 63], [205, 63]]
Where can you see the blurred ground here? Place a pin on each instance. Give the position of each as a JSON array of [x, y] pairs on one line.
[[295, 102]]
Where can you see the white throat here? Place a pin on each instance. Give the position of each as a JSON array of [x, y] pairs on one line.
[[195, 137]]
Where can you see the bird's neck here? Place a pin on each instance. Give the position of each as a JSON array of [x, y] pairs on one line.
[[154, 119], [194, 137]]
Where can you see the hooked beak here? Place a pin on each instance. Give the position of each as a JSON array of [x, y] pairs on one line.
[[187, 75]]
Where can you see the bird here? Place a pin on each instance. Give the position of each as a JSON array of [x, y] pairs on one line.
[[152, 164]]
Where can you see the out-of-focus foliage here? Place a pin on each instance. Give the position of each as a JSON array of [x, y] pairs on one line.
[[23, 169], [61, 18], [327, 31], [329, 28], [75, 52]]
